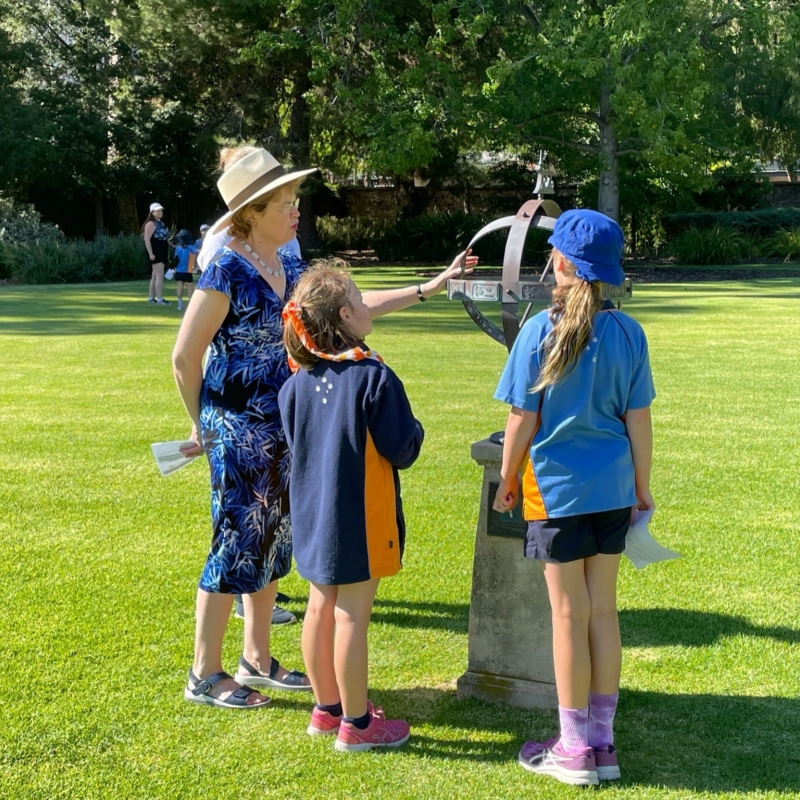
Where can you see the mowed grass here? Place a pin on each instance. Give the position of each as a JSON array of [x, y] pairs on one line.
[[102, 555]]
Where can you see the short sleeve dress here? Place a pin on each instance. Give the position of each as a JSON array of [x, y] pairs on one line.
[[247, 451]]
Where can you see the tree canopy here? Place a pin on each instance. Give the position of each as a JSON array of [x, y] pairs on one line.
[[635, 98]]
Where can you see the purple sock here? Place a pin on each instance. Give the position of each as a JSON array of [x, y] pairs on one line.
[[574, 728], [602, 708]]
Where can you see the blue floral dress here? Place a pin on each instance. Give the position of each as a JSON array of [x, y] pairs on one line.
[[241, 425]]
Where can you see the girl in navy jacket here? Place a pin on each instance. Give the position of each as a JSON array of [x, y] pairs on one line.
[[350, 429]]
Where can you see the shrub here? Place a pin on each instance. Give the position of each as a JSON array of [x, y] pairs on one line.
[[764, 221], [717, 245], [348, 233], [22, 224], [753, 246], [785, 243], [107, 258]]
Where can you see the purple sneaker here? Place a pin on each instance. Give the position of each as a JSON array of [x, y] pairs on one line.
[[550, 758], [606, 759]]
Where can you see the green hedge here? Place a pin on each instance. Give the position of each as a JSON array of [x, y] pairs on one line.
[[721, 244], [107, 258], [764, 221]]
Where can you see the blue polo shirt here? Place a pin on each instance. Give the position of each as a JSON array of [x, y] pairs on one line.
[[580, 456], [182, 256]]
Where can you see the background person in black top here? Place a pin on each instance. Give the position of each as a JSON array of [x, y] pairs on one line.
[[156, 240]]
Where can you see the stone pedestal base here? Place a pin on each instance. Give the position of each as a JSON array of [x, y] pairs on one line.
[[516, 692], [510, 635]]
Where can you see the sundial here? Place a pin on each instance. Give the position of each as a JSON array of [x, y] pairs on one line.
[[513, 289]]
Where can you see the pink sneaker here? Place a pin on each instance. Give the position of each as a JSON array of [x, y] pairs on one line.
[[323, 724], [550, 758], [607, 765], [380, 732]]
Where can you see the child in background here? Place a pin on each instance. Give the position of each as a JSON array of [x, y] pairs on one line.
[[185, 258], [578, 380], [350, 428]]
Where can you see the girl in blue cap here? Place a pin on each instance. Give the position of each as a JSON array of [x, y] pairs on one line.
[[579, 385]]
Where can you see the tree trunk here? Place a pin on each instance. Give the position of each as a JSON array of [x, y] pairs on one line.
[[608, 191], [299, 141], [99, 217]]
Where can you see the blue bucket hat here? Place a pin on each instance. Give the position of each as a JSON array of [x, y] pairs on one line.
[[592, 242], [185, 238]]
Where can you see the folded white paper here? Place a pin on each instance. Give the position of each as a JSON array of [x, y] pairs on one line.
[[169, 457], [640, 547]]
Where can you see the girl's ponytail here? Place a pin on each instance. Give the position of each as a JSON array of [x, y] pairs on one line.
[[571, 313]]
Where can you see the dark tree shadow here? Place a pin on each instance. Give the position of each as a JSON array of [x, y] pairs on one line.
[[695, 742], [663, 627], [641, 627], [432, 616]]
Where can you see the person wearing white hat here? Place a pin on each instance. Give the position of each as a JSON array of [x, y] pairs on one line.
[[236, 312], [199, 243], [156, 242]]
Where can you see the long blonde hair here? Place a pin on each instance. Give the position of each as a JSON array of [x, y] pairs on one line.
[[572, 314], [320, 293]]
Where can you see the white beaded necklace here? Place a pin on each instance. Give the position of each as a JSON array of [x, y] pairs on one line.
[[278, 273]]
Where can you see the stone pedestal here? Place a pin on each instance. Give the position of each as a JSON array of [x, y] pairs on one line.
[[510, 634]]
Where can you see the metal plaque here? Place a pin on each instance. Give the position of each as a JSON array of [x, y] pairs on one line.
[[509, 525]]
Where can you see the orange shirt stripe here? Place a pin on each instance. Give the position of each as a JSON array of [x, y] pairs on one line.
[[383, 536]]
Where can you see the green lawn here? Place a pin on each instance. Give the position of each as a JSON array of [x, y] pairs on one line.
[[103, 555]]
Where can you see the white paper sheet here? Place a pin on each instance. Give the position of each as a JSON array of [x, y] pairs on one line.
[[169, 458], [640, 547]]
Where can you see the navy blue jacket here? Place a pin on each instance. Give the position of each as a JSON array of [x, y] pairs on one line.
[[350, 427]]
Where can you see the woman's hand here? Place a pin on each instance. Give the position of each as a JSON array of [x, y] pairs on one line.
[[438, 283], [507, 494], [195, 449]]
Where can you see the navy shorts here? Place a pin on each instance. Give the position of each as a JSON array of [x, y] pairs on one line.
[[186, 277], [558, 541]]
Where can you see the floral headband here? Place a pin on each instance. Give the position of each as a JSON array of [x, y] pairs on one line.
[[293, 315]]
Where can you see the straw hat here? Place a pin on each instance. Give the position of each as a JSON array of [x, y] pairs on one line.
[[249, 178]]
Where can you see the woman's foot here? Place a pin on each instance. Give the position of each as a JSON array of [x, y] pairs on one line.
[[222, 691], [550, 758], [380, 732], [276, 678]]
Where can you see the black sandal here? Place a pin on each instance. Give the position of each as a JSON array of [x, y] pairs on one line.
[[237, 699], [248, 675]]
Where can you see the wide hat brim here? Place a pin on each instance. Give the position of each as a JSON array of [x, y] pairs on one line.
[[290, 177]]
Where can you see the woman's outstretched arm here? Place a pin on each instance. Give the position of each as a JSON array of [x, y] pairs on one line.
[[385, 301]]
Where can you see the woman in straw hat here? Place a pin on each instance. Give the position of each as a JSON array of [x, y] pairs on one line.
[[236, 312]]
